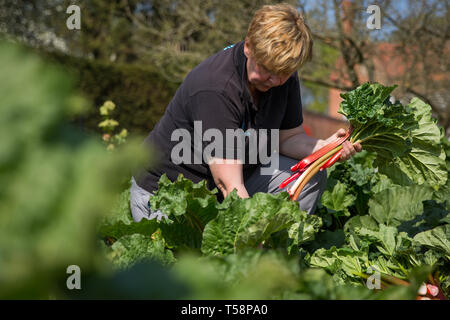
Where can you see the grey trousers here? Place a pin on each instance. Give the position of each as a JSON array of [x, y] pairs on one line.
[[308, 199]]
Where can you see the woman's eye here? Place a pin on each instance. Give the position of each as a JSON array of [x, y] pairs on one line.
[[263, 69]]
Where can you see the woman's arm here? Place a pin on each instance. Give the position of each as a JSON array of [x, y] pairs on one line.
[[228, 175], [295, 143]]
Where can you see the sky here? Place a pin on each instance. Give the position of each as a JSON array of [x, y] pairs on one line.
[[401, 6]]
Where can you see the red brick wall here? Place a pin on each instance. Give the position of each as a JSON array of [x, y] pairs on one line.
[[334, 100]]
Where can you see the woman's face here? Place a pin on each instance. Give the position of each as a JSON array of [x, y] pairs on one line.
[[259, 77]]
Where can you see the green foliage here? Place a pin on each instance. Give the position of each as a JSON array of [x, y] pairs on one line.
[[229, 267], [398, 204], [384, 233], [189, 208], [255, 274], [196, 220], [438, 238], [56, 183], [338, 200], [131, 249], [246, 223], [406, 139], [60, 193], [141, 91]]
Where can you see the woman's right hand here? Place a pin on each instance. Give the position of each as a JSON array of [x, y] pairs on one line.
[[228, 175]]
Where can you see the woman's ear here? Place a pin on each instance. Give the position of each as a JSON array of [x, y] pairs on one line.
[[246, 48]]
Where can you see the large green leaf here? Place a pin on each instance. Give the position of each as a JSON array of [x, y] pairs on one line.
[[189, 207], [425, 162], [388, 240], [353, 263], [305, 230], [338, 199], [246, 223], [357, 222], [365, 102], [437, 238], [405, 138], [183, 197], [398, 204], [131, 249], [386, 236]]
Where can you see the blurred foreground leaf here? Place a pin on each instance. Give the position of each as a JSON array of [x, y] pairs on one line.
[[55, 182]]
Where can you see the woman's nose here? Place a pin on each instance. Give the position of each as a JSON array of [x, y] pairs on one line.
[[265, 76]]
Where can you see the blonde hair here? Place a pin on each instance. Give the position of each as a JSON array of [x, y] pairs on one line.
[[279, 39]]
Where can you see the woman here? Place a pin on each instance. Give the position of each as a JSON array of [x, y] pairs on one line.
[[249, 91]]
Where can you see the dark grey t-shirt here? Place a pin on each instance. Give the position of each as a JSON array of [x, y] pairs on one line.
[[216, 93]]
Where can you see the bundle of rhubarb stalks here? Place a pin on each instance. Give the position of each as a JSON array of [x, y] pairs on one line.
[[405, 139], [309, 166]]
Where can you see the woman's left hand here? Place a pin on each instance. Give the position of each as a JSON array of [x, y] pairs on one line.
[[348, 149]]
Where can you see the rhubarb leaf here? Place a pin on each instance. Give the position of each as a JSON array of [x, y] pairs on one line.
[[398, 204], [183, 196], [425, 162], [352, 262], [366, 102], [405, 138], [189, 208], [437, 238], [246, 223], [386, 237], [338, 200], [388, 240], [131, 249]]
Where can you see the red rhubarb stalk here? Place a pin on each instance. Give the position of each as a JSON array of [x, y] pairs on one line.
[[332, 160], [289, 180]]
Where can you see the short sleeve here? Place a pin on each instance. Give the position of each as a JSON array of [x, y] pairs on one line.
[[293, 116], [213, 113]]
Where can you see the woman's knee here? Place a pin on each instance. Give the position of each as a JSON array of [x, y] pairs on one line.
[[138, 202]]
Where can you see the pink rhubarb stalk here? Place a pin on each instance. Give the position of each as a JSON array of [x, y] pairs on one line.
[[332, 160]]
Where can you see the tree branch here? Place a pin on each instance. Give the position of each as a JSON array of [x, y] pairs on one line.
[[327, 84]]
